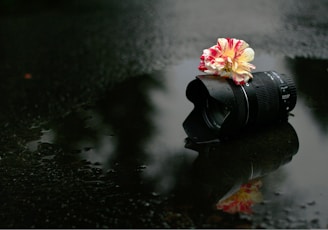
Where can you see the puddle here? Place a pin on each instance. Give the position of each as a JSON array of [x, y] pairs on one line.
[[143, 133], [106, 147]]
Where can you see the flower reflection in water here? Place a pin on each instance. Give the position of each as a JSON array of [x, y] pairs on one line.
[[242, 200]]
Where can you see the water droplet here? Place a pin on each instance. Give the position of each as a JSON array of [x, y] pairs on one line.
[[311, 203], [277, 193]]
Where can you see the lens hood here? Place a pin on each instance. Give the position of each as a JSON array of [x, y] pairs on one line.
[[226, 96]]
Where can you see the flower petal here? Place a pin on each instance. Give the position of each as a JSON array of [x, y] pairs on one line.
[[222, 43], [247, 55]]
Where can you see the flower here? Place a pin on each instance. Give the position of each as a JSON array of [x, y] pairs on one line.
[[243, 200], [229, 58]]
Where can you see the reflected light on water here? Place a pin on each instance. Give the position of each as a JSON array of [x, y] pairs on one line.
[[160, 144], [171, 109]]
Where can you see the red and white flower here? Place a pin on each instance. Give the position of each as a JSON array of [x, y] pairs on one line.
[[229, 58]]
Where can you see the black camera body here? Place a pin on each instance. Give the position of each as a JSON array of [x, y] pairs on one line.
[[223, 108]]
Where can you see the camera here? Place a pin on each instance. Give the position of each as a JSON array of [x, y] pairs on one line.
[[223, 109]]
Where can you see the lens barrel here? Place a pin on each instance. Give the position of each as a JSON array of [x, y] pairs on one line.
[[223, 108], [270, 97]]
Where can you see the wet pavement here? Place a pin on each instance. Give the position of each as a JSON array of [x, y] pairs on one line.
[[93, 105]]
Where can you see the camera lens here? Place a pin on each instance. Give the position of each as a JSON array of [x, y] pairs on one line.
[[214, 113], [226, 108], [275, 94]]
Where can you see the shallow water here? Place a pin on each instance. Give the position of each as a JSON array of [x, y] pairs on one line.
[[145, 133]]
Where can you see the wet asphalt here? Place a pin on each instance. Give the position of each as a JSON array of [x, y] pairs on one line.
[[93, 101]]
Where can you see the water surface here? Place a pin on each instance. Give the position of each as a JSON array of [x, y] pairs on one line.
[[142, 136]]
